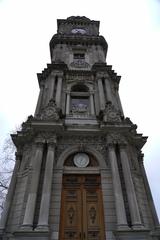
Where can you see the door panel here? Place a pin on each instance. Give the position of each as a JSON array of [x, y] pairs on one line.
[[81, 208], [71, 214]]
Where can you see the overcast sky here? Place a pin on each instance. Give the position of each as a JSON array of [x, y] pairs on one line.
[[132, 30]]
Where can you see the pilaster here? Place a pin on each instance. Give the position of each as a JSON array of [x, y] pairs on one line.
[[51, 87], [46, 191], [59, 91], [92, 103], [131, 195], [101, 94], [68, 103], [31, 201], [119, 201]]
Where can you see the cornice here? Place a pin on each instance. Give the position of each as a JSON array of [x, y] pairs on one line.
[[76, 39], [103, 67], [77, 19], [60, 66]]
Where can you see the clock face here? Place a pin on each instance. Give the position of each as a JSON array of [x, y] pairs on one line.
[[81, 160], [78, 30]]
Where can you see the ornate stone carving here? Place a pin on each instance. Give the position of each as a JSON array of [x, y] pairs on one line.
[[110, 114], [74, 139], [78, 78], [79, 108], [71, 213], [47, 135], [79, 63], [50, 112], [26, 125], [92, 213], [116, 138]]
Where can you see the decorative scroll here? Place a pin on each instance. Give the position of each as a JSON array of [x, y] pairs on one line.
[[79, 63], [71, 213], [92, 214]]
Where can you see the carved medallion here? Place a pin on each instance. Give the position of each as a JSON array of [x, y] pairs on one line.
[[50, 112], [92, 214], [110, 114]]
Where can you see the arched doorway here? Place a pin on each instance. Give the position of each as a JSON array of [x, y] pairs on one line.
[[81, 201]]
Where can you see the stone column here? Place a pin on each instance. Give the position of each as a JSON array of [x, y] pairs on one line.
[[108, 90], [118, 100], [148, 191], [68, 103], [119, 201], [101, 94], [46, 191], [51, 87], [59, 91], [31, 201], [40, 98], [10, 193], [131, 195], [92, 103]]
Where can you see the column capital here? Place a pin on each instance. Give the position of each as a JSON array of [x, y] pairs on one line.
[[122, 145], [92, 92], [100, 75], [53, 74], [42, 84], [60, 76], [67, 91], [51, 145], [39, 142], [52, 141], [106, 76], [56, 73], [110, 145]]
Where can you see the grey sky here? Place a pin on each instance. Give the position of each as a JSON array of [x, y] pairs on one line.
[[132, 30]]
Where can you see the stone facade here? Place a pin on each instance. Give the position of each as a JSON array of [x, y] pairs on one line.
[[78, 111]]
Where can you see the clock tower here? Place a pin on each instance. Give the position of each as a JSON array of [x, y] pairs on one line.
[[79, 172]]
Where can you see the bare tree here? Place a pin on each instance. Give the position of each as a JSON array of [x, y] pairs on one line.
[[7, 161]]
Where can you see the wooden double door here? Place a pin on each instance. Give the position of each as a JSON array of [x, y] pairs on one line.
[[81, 208]]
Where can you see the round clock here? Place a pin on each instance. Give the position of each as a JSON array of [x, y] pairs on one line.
[[78, 30], [81, 160]]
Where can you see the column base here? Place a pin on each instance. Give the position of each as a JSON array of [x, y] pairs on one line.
[[138, 227], [26, 228], [123, 227], [42, 228]]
